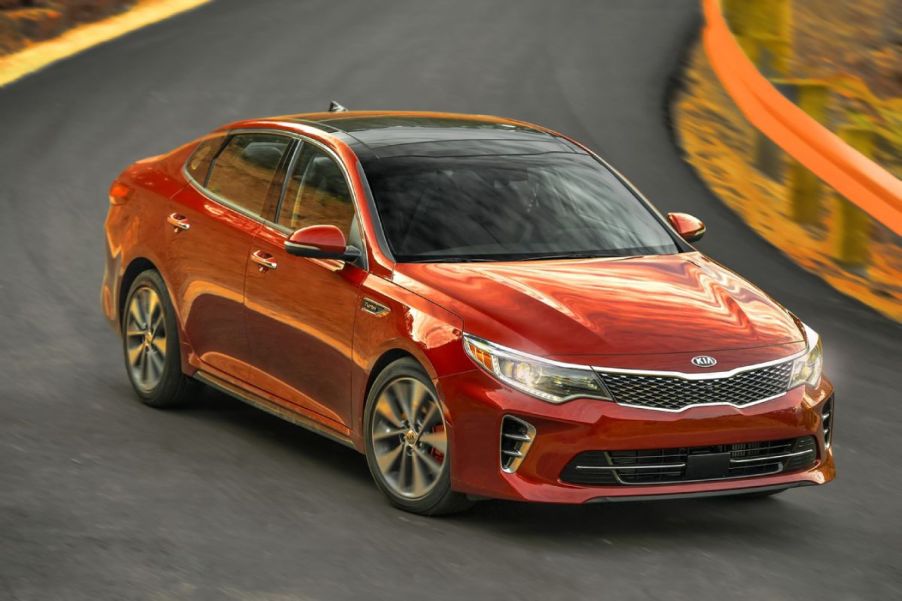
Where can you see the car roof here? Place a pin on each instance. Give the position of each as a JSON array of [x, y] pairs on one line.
[[384, 134]]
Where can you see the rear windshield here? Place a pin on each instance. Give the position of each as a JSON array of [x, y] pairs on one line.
[[510, 207]]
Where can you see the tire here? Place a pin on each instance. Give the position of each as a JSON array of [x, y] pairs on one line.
[[408, 477], [150, 330]]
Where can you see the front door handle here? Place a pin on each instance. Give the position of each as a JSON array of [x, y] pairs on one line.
[[264, 260], [179, 222]]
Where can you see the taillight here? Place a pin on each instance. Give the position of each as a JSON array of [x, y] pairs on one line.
[[119, 193]]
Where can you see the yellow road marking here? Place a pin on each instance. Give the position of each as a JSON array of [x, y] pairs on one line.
[[37, 56]]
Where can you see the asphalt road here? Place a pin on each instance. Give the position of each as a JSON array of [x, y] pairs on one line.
[[103, 498]]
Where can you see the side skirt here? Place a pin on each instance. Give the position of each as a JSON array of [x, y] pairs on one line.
[[271, 408]]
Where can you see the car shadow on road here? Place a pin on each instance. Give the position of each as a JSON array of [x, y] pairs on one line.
[[727, 517], [628, 522], [212, 405]]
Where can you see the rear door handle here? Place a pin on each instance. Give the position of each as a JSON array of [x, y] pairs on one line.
[[264, 260], [179, 222]]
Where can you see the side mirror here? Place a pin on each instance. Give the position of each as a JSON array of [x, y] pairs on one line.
[[689, 227], [321, 242]]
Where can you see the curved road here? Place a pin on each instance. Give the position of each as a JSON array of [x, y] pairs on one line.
[[102, 498]]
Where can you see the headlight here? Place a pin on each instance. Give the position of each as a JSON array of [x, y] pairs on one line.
[[807, 368], [548, 380]]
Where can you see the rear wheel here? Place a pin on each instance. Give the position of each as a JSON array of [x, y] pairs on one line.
[[150, 343], [407, 446]]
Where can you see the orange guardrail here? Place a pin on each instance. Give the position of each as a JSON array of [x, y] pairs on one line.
[[862, 181]]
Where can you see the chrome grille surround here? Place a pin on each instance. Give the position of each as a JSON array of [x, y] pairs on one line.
[[674, 391]]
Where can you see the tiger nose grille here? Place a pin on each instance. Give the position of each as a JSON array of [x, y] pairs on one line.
[[673, 393], [691, 464]]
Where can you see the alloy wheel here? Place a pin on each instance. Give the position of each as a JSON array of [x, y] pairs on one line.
[[145, 338], [409, 438]]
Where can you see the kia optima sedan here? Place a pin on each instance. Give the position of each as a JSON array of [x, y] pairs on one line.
[[483, 307]]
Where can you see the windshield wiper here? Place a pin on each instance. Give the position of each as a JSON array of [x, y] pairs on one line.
[[563, 256], [507, 258], [449, 260]]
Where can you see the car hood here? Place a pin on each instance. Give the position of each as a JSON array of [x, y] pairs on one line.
[[639, 305]]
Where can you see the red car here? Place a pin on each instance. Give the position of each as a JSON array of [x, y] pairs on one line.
[[483, 307]]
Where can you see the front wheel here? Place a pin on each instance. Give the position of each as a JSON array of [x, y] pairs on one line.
[[407, 447], [150, 343]]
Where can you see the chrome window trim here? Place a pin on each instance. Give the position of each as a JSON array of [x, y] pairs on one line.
[[230, 204], [292, 163], [259, 218], [221, 199], [224, 136]]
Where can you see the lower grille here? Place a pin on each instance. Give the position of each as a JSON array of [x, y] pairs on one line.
[[671, 393], [691, 464]]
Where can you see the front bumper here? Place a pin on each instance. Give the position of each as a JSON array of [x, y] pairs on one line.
[[477, 404]]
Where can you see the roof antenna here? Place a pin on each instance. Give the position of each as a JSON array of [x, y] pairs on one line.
[[335, 107]]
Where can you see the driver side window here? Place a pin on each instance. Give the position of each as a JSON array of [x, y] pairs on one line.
[[317, 194]]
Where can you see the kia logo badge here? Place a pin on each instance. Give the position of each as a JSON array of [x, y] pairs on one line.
[[704, 361]]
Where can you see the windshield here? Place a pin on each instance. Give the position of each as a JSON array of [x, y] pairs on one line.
[[509, 207]]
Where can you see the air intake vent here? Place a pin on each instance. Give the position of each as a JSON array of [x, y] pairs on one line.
[[827, 421], [691, 464], [516, 438]]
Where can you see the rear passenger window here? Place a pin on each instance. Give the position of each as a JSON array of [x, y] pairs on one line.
[[199, 164], [317, 194], [245, 169]]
